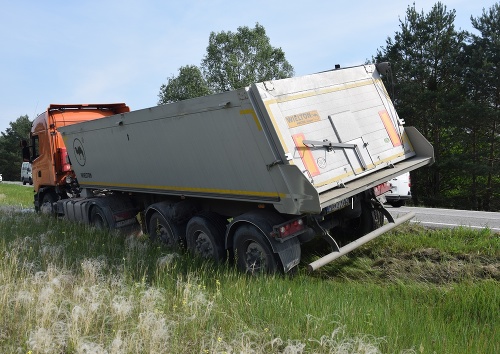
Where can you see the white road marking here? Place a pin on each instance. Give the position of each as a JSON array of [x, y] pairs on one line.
[[456, 225]]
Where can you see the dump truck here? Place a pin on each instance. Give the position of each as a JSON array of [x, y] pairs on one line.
[[252, 174]]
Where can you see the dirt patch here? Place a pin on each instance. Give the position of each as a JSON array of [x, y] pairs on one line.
[[433, 266]]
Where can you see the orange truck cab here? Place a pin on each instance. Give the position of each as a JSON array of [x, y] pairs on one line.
[[53, 177]]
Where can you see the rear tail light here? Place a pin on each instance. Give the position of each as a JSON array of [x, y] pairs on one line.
[[65, 166], [290, 228], [382, 188]]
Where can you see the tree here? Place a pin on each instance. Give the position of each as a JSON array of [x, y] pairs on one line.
[[481, 128], [424, 56], [232, 61], [188, 84], [236, 60], [10, 150]]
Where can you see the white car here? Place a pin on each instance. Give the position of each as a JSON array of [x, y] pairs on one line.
[[26, 174], [1, 177], [400, 190]]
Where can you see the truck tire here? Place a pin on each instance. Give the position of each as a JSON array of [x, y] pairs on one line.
[[48, 199], [98, 218], [253, 252], [205, 237], [163, 230], [369, 220]]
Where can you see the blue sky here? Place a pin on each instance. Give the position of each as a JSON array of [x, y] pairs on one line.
[[103, 51]]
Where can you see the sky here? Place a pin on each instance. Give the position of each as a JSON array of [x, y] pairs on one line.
[[106, 51]]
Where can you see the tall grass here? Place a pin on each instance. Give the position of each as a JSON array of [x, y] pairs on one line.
[[66, 288]]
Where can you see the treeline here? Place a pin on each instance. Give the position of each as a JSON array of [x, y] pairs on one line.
[[446, 82], [10, 148]]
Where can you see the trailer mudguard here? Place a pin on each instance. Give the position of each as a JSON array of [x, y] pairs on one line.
[[289, 251]]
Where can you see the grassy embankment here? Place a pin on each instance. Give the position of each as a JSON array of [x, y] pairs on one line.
[[66, 288]]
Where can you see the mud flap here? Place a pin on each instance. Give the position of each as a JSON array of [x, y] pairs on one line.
[[289, 252]]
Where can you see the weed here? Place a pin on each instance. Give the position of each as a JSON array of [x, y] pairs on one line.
[[70, 288]]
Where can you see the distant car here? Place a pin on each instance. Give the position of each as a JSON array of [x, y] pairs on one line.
[[1, 177], [399, 191], [26, 174]]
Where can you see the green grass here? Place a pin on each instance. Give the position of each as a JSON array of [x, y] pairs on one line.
[[16, 195], [69, 288]]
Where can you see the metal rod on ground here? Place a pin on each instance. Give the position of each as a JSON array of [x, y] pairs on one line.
[[359, 242]]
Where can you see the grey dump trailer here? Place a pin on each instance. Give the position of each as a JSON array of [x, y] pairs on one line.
[[252, 173]]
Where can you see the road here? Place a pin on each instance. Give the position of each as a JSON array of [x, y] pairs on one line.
[[449, 218], [16, 182]]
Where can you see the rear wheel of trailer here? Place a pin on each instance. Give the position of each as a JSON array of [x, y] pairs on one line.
[[253, 252]]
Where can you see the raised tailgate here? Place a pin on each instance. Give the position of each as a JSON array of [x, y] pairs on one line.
[[335, 126]]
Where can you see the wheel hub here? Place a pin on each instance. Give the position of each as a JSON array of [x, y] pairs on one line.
[[165, 236], [255, 257], [204, 246]]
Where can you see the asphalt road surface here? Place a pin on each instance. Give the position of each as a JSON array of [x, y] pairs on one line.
[[449, 218], [17, 182]]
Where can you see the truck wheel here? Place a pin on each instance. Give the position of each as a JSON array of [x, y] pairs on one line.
[[369, 220], [48, 199], [98, 218], [205, 237], [24, 182], [252, 251], [162, 230]]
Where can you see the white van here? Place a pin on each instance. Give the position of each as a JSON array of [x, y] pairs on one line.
[[400, 190], [26, 175]]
